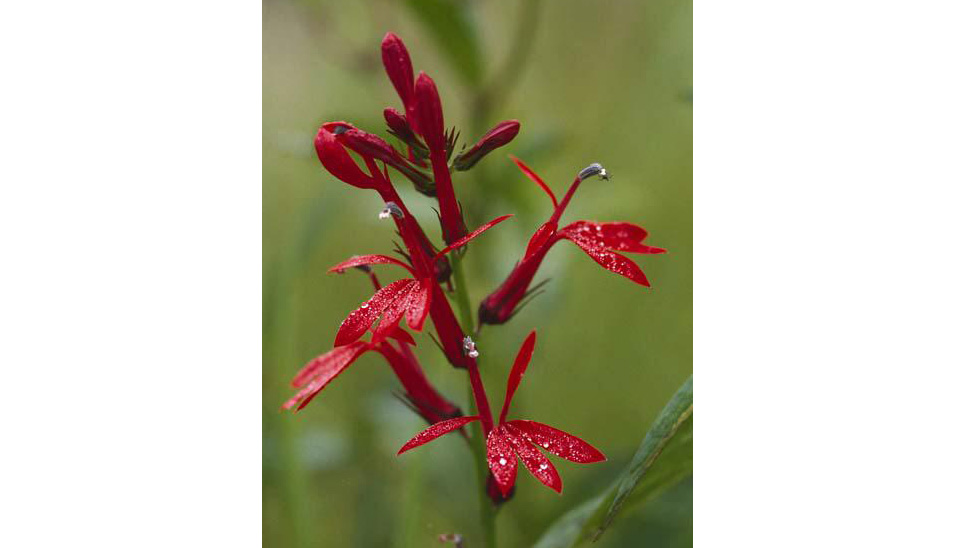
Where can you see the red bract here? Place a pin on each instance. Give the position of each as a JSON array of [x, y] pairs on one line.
[[518, 439], [599, 240]]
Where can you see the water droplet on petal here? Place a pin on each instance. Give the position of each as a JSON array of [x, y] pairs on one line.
[[503, 461]]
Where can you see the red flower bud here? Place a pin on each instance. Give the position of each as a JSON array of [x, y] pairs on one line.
[[395, 57], [503, 133], [429, 112]]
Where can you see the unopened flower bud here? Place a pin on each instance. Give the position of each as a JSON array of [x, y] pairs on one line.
[[502, 134], [395, 58], [429, 112]]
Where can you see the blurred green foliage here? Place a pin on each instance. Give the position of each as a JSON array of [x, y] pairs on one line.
[[597, 81]]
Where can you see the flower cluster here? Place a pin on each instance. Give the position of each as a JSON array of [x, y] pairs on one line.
[[425, 156]]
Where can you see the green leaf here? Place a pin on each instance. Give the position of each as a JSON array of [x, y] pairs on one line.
[[664, 457], [451, 25]]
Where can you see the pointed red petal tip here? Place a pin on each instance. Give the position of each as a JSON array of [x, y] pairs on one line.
[[395, 58], [533, 459], [435, 431], [536, 178], [557, 442], [502, 461], [429, 112]]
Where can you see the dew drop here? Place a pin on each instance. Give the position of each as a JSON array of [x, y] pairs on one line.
[[503, 461], [544, 466], [545, 445], [365, 305]]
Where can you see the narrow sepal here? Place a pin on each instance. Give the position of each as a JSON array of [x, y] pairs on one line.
[[557, 442], [362, 318], [517, 372], [502, 461], [466, 239], [435, 431], [537, 179], [534, 460]]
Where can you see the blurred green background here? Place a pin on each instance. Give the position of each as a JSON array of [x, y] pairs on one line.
[[589, 81]]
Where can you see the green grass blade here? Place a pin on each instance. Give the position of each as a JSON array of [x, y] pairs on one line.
[[664, 457]]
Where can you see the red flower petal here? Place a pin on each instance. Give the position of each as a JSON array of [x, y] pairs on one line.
[[534, 177], [360, 260], [463, 241], [322, 370], [435, 431], [362, 318], [557, 442], [502, 461], [611, 261], [399, 303], [534, 460], [620, 236], [418, 304], [517, 371]]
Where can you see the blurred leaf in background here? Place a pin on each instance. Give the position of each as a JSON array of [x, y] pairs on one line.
[[599, 81]]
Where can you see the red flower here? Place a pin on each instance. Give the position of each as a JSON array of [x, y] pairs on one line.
[[518, 439], [336, 159], [412, 298], [599, 240]]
